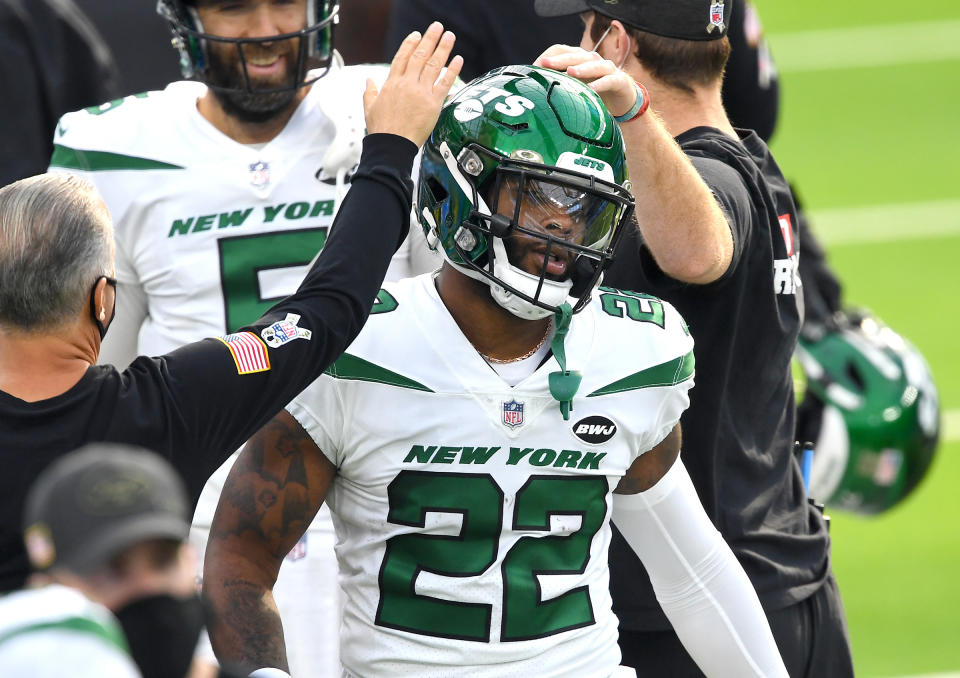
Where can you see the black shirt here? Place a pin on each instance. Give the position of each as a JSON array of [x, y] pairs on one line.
[[738, 432], [490, 33], [193, 405]]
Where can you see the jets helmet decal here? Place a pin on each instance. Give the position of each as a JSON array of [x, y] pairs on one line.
[[526, 165]]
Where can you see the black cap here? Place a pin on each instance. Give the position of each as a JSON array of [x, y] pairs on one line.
[[92, 504], [684, 19]]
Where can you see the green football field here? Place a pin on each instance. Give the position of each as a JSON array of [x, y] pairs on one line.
[[870, 133]]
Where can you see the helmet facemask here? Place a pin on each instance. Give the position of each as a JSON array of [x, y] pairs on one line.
[[313, 47], [537, 235]]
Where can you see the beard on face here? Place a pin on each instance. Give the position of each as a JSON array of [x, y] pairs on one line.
[[524, 252], [225, 77]]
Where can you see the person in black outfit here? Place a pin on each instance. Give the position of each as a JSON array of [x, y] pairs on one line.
[[490, 33], [198, 404], [736, 281], [751, 85], [52, 60], [751, 98]]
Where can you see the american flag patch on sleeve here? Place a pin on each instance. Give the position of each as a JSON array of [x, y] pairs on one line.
[[248, 351]]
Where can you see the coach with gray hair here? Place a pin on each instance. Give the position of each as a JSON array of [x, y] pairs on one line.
[[198, 404]]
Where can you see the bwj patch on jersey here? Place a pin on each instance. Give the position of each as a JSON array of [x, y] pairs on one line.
[[283, 331], [248, 351]]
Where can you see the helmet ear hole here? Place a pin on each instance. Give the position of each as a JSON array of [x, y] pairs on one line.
[[437, 191], [581, 274], [856, 377]]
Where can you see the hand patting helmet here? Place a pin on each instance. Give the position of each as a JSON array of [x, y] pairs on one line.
[[525, 158]]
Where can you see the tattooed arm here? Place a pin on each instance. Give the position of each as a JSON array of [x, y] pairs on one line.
[[270, 497]]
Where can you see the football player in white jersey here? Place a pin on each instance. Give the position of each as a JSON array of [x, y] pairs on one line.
[[475, 440], [222, 190]]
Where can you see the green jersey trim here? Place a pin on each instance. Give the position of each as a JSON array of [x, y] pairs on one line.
[[357, 369], [665, 374], [112, 634], [98, 161]]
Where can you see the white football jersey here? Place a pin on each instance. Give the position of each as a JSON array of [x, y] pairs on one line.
[[472, 520], [215, 231], [56, 631]]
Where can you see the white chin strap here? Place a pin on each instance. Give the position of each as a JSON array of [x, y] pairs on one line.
[[552, 293]]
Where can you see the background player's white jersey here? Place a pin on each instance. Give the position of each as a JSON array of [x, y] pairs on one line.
[[210, 233], [472, 520], [212, 230], [55, 631]]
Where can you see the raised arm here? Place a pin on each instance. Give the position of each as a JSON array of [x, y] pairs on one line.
[[681, 222], [699, 583], [214, 394], [269, 499]]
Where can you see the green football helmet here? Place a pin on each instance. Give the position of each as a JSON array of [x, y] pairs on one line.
[[879, 416], [525, 157]]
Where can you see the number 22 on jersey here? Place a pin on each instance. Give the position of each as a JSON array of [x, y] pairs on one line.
[[471, 552]]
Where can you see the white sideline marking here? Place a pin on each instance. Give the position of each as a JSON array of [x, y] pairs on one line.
[[885, 223], [866, 46], [951, 432]]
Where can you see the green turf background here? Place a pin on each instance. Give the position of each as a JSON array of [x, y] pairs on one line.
[[862, 137]]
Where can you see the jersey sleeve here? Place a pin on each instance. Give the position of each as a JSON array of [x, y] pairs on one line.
[[733, 196], [86, 145], [677, 378], [215, 393], [319, 410]]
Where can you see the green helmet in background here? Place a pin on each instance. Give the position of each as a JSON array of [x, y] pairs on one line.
[[880, 420], [517, 141]]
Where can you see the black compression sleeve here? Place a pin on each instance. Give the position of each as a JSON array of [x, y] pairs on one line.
[[210, 402]]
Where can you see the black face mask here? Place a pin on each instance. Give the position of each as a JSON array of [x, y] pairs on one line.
[[93, 305], [162, 632]]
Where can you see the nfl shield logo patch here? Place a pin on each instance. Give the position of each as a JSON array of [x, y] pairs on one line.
[[513, 413], [299, 550], [716, 17], [282, 331], [259, 174]]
